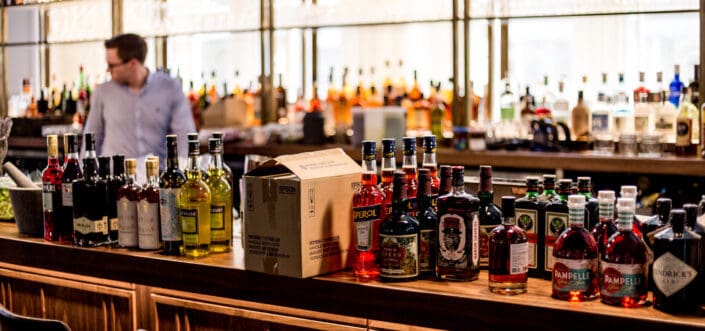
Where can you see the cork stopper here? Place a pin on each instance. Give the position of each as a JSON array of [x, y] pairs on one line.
[[152, 166], [628, 191], [131, 166]]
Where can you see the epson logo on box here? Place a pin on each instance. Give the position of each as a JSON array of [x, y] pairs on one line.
[[287, 189]]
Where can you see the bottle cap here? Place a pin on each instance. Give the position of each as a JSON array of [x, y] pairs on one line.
[[194, 147], [691, 214], [532, 181], [584, 182], [445, 171], [605, 196], [388, 147], [628, 191], [564, 184], [214, 145], [678, 220], [576, 201], [424, 180], [131, 166], [89, 140], [549, 180], [458, 175], [485, 171], [218, 135], [104, 162], [663, 204], [409, 145], [429, 144], [369, 150], [626, 204], [52, 145], [399, 178], [192, 136], [424, 174], [508, 205]]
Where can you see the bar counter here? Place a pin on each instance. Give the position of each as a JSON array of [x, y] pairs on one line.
[[426, 303]]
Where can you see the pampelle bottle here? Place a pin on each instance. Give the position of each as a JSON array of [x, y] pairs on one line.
[[116, 181], [389, 166], [458, 232], [675, 267], [429, 162], [90, 201], [368, 212], [509, 254], [148, 208], [606, 227], [194, 207], [72, 172], [631, 191], [399, 238], [555, 222], [623, 264], [527, 218], [490, 215], [221, 200], [127, 198], [55, 228], [575, 258], [170, 183], [428, 223], [409, 167]]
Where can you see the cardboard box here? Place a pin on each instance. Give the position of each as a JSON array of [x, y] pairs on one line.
[[226, 112], [298, 219]]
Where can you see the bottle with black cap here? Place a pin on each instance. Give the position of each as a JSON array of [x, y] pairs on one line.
[[428, 219], [555, 222], [528, 217], [399, 238], [490, 214], [691, 223]]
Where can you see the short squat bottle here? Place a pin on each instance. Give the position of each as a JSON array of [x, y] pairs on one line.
[[509, 254], [575, 258], [399, 238]]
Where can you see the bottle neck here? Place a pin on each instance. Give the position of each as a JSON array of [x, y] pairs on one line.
[[53, 161], [216, 166], [508, 220], [369, 166], [532, 193], [389, 163], [458, 188], [606, 211], [429, 160], [89, 168], [172, 158], [409, 161], [576, 217], [192, 169], [153, 181], [131, 178], [624, 223]]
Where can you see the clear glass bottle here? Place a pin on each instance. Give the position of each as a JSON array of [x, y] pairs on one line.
[[148, 209], [622, 114], [127, 199], [399, 238], [601, 116], [194, 207], [490, 215], [221, 200], [368, 213], [643, 110], [561, 107], [509, 254], [428, 219]]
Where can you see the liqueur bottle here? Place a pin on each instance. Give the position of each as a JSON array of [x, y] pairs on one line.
[[368, 212], [428, 220], [446, 181], [409, 167], [104, 174], [606, 227], [691, 223], [555, 222], [227, 171], [194, 137], [489, 213], [574, 274], [116, 181], [389, 166], [194, 207], [89, 142], [658, 221], [55, 229], [623, 264], [170, 183], [631, 191], [72, 172], [458, 232], [90, 213], [399, 238], [127, 198], [527, 212], [429, 162], [509, 254], [591, 213], [549, 190], [221, 200], [675, 267], [148, 208]]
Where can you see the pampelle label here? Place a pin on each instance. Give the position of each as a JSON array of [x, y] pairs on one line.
[[218, 223], [84, 225], [363, 218], [399, 255], [189, 226], [622, 280], [148, 225], [518, 258], [671, 274], [169, 214], [426, 246], [573, 275], [67, 195]]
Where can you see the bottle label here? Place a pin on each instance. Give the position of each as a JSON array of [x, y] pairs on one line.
[[67, 195], [426, 243], [622, 280], [664, 123], [507, 113], [518, 258], [434, 202], [526, 219], [600, 122], [683, 131], [399, 255], [218, 223], [85, 226], [127, 222], [363, 218], [169, 214], [148, 225], [411, 207], [556, 223], [573, 275], [671, 274], [50, 194], [189, 226], [453, 237], [484, 233], [641, 123], [113, 224]]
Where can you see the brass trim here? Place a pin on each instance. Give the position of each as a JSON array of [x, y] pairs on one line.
[[457, 120], [116, 12]]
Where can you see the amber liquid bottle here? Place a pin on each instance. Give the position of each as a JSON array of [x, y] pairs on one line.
[[675, 267], [389, 166], [623, 264], [490, 214], [574, 273], [117, 180], [428, 219], [429, 162], [368, 212], [527, 213], [409, 167], [458, 238], [399, 238], [54, 228], [127, 198], [555, 222], [148, 233], [509, 254], [606, 227]]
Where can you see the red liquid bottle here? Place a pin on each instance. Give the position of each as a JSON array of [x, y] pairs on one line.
[[446, 182], [72, 172], [409, 166], [606, 227], [389, 166], [368, 211], [574, 273], [630, 191], [428, 224], [148, 209], [490, 215], [54, 229], [127, 198], [399, 238], [623, 264], [429, 162], [509, 254]]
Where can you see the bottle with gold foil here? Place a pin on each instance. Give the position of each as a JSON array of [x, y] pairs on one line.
[[221, 200], [127, 198], [195, 207], [148, 208]]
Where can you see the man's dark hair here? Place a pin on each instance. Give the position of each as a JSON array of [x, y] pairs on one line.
[[129, 46]]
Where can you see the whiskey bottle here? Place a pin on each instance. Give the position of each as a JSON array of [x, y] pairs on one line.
[[409, 167], [591, 213], [221, 200], [675, 268], [389, 166], [127, 199], [527, 213], [555, 222], [429, 162], [111, 205], [90, 213], [170, 183], [458, 232], [368, 213], [72, 172], [446, 181], [194, 207], [509, 254], [116, 181], [623, 264], [603, 230], [489, 213], [428, 219], [574, 272], [55, 229], [399, 238], [148, 209]]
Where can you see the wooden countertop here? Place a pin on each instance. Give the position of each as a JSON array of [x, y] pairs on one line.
[[428, 303]]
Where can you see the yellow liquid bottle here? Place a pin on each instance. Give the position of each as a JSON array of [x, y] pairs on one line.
[[195, 208], [221, 206]]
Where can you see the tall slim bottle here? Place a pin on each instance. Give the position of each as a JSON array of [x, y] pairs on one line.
[[111, 202], [148, 209], [446, 181], [409, 166], [389, 166], [54, 228], [591, 214], [429, 162], [170, 183], [368, 213], [72, 172], [227, 171], [527, 213], [509, 254], [221, 200], [399, 238], [127, 198], [490, 215], [194, 207], [428, 219], [675, 87], [691, 223], [117, 180]]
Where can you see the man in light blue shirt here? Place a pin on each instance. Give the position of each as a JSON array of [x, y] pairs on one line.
[[133, 112]]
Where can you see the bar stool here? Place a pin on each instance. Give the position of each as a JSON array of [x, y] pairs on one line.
[[10, 321]]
